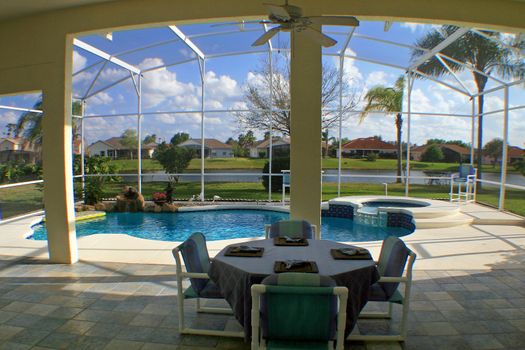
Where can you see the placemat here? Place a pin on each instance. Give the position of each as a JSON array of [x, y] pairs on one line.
[[281, 241], [236, 251], [336, 254], [308, 267]]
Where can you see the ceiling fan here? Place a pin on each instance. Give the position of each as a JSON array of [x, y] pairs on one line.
[[289, 18]]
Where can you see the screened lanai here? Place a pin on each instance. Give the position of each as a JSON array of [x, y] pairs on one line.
[[117, 77]]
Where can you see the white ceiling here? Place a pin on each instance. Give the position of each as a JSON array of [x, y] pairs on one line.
[[19, 8]]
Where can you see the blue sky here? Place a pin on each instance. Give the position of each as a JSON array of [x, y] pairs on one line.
[[178, 87]]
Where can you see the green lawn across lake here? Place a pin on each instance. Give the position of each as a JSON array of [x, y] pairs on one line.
[[149, 165]]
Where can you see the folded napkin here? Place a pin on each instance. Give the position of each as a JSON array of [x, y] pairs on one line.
[[351, 253], [293, 240], [248, 249], [290, 241], [244, 250], [296, 266]]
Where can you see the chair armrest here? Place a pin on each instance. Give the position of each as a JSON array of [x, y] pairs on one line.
[[386, 279], [201, 275]]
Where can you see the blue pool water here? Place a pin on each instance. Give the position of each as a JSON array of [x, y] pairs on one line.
[[216, 225]]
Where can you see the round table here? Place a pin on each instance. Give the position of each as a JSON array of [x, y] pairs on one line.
[[235, 275]]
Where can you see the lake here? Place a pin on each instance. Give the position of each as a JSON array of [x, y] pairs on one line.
[[330, 175]]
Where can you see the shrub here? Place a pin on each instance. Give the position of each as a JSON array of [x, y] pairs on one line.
[[94, 190], [371, 157], [278, 164], [432, 154]]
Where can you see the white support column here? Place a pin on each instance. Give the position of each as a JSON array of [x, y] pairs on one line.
[[57, 159], [82, 151], [305, 160], [504, 153], [139, 132], [270, 150], [339, 148], [473, 131], [410, 82], [203, 90]]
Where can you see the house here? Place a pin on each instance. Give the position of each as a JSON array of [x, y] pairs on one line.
[[451, 153], [280, 146], [366, 145], [114, 148], [515, 154], [213, 148], [19, 149]]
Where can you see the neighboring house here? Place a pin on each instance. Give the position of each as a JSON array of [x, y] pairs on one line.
[[261, 149], [451, 153], [213, 148], [515, 154], [18, 149], [366, 145], [113, 148]]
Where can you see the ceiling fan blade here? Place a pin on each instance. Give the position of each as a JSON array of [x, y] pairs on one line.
[[279, 12], [335, 20], [263, 39], [322, 39]]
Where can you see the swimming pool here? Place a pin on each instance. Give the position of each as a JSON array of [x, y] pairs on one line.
[[217, 225]]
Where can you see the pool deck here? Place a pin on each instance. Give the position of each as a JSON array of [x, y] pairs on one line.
[[495, 239], [467, 293]]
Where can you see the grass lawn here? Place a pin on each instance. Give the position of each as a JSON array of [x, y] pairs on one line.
[[20, 200], [149, 165], [255, 191]]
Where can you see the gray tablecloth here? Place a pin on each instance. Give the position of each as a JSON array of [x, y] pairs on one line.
[[235, 275]]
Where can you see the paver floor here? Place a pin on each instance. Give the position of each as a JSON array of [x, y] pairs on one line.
[[133, 306]]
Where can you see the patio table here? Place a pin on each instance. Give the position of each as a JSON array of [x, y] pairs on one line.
[[235, 275]]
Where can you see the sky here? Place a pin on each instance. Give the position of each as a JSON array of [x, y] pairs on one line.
[[178, 87]]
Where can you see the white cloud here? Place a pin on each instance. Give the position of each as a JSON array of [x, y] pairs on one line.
[[350, 71], [79, 61], [376, 78], [8, 117], [161, 86], [417, 27], [102, 98]]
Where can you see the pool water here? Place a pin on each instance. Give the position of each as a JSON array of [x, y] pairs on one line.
[[216, 225]]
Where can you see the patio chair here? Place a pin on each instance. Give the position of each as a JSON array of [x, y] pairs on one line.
[[291, 228], [298, 311], [391, 266], [465, 181], [197, 262]]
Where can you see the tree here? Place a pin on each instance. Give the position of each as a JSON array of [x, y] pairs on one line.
[[432, 154], [493, 149], [129, 139], [150, 139], [29, 124], [246, 140], [480, 52], [445, 142], [179, 137], [259, 103], [173, 159], [389, 100]]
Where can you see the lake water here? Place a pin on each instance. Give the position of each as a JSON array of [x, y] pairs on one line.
[[330, 175]]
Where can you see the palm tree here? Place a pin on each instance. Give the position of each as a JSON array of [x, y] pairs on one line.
[[483, 54], [389, 100], [29, 125]]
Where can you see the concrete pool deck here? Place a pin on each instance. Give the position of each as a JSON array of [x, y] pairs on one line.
[[495, 239]]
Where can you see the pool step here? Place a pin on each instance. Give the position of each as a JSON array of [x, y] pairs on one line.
[[457, 219], [431, 213]]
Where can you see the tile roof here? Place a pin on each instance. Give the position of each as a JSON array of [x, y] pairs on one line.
[[371, 143], [210, 143]]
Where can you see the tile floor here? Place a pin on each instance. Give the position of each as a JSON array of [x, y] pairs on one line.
[[133, 306]]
